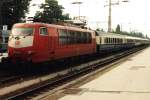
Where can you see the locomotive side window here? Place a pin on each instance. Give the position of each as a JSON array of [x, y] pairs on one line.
[[82, 38], [89, 38], [43, 31], [63, 37], [69, 37]]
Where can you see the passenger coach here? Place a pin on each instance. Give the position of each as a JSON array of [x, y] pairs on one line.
[[108, 42]]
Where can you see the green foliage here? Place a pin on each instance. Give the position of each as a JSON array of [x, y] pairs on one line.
[[98, 29], [14, 11], [51, 12], [134, 34], [118, 29]]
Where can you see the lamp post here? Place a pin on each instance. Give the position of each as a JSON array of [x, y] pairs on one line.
[[109, 17], [78, 3], [110, 10]]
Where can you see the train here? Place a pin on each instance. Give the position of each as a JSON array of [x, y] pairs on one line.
[[41, 42]]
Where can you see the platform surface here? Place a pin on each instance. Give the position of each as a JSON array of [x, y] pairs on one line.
[[128, 81]]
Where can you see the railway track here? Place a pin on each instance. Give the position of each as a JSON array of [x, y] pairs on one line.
[[55, 80], [6, 77]]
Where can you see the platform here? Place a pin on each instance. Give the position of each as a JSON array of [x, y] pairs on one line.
[[128, 81]]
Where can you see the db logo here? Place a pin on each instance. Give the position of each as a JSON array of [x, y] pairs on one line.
[[17, 42]]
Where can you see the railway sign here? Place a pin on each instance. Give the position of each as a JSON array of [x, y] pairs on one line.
[[5, 27]]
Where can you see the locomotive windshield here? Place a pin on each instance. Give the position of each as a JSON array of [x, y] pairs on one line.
[[22, 31]]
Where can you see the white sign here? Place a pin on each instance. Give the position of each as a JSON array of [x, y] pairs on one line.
[[5, 27]]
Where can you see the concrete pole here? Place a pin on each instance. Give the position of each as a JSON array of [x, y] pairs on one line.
[[109, 17], [79, 3]]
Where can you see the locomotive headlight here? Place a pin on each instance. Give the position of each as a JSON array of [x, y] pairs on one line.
[[30, 52]]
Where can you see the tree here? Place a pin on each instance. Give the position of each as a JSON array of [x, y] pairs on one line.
[[146, 36], [118, 29], [52, 12], [98, 29], [14, 11], [134, 34]]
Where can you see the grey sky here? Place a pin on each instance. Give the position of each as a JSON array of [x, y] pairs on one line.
[[132, 16]]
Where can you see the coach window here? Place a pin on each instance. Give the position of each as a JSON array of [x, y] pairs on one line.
[[110, 41], [121, 41], [114, 40], [43, 31], [118, 41], [106, 40]]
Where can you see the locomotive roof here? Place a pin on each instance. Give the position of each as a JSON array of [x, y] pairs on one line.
[[54, 26]]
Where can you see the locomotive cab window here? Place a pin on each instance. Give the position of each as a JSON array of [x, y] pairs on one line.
[[43, 31], [22, 31]]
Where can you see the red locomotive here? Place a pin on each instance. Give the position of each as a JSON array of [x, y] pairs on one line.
[[39, 42]]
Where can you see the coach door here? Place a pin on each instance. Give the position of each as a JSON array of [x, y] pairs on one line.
[[43, 44]]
